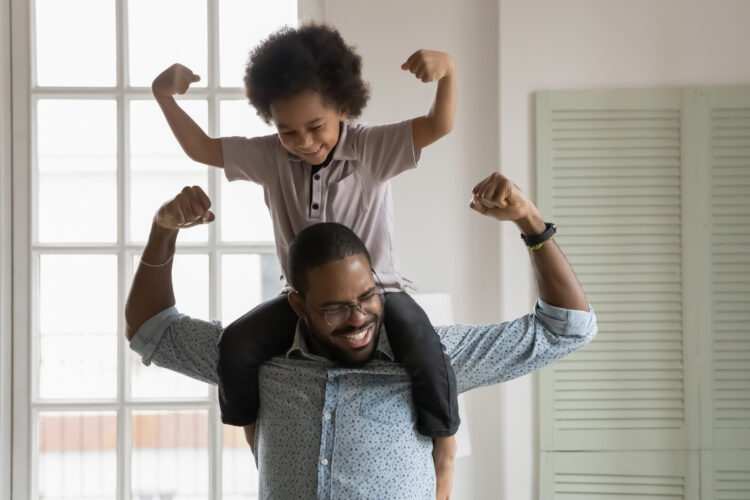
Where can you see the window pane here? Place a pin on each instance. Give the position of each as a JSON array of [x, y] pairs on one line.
[[242, 25], [240, 476], [246, 281], [238, 117], [77, 170], [78, 325], [77, 455], [190, 283], [244, 214], [163, 32], [170, 455], [75, 43], [159, 167]]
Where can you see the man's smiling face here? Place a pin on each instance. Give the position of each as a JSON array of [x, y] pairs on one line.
[[335, 327]]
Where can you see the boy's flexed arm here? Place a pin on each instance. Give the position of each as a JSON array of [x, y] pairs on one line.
[[200, 147], [428, 66]]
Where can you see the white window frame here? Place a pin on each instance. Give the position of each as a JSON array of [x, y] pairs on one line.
[[23, 476]]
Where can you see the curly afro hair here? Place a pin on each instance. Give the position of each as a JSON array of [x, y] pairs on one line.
[[311, 57]]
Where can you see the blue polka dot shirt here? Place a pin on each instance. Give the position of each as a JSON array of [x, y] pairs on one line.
[[329, 432]]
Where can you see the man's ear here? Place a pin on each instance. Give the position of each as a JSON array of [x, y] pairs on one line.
[[297, 303]]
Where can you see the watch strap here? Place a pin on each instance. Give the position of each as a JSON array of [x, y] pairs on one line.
[[535, 241]]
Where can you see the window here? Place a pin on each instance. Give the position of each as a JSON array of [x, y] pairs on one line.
[[96, 159]]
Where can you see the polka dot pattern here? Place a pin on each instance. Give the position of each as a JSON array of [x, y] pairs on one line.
[[330, 432]]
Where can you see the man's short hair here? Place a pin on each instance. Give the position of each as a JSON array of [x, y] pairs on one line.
[[320, 244]]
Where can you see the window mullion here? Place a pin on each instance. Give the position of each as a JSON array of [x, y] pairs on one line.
[[20, 101], [124, 264], [214, 274]]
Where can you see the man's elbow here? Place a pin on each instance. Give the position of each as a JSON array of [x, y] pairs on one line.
[[133, 320], [130, 327]]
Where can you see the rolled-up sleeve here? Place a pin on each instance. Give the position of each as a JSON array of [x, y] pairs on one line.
[[180, 343], [490, 354]]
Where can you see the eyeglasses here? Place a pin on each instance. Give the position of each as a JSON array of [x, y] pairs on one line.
[[338, 315]]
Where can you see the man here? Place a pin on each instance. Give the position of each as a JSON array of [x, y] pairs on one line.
[[336, 416]]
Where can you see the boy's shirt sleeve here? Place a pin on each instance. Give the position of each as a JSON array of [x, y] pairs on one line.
[[250, 159], [386, 150]]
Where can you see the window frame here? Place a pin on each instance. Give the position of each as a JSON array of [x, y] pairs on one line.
[[22, 169]]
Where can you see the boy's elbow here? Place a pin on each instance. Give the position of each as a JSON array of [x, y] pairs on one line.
[[445, 129]]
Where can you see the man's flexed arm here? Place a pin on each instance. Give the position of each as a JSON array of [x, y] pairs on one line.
[[496, 196], [151, 291]]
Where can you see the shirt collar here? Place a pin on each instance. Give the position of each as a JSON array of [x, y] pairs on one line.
[[343, 150], [299, 347]]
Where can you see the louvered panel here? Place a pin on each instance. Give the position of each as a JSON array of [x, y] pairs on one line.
[[617, 475], [726, 475], [730, 266], [614, 190]]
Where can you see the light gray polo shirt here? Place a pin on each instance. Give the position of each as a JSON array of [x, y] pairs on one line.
[[353, 190]]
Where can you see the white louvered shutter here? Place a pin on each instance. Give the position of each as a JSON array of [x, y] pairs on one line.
[[725, 332], [726, 475], [649, 475], [610, 170], [651, 193]]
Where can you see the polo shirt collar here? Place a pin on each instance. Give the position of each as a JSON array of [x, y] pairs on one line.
[[299, 347], [343, 150]]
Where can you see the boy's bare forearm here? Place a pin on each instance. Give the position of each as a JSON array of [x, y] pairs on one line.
[[444, 108], [430, 66], [194, 141]]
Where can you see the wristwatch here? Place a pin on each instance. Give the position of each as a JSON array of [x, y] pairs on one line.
[[536, 241]]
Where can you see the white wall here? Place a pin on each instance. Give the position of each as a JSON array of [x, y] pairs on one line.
[[5, 246], [581, 44], [443, 245]]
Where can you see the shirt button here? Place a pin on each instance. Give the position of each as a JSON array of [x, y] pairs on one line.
[[315, 206], [316, 177], [324, 461], [327, 416]]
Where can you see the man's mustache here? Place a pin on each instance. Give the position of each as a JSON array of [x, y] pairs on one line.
[[352, 328]]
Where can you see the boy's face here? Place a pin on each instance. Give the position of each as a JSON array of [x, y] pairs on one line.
[[307, 126]]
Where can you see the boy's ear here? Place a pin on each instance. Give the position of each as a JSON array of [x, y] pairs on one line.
[[297, 303], [343, 113]]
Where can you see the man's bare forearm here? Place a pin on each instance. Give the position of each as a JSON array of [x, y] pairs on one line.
[[557, 282], [151, 291]]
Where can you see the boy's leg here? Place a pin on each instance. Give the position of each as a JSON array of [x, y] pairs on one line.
[[264, 332], [418, 348]]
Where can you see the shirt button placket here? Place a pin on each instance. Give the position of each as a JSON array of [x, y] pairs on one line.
[[317, 196], [327, 436]]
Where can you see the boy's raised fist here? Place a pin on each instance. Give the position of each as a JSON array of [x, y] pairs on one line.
[[174, 80], [429, 65]]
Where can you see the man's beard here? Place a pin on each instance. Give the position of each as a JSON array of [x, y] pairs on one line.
[[337, 353]]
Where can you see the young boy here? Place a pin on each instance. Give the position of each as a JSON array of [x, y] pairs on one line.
[[307, 82]]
